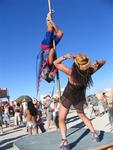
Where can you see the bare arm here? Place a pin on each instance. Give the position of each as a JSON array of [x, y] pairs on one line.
[[25, 113], [97, 65], [63, 67]]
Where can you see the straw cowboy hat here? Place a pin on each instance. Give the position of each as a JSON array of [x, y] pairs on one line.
[[82, 61]]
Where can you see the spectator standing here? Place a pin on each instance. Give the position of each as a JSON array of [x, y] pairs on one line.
[[11, 109], [110, 110], [55, 106], [104, 100], [1, 119], [17, 119], [95, 107], [31, 117], [49, 113], [40, 123], [6, 115]]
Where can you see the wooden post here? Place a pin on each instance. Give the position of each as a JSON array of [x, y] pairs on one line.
[[105, 147]]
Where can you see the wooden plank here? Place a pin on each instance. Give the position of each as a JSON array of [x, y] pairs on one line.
[[105, 147]]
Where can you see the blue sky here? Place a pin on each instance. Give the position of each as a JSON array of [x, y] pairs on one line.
[[87, 27]]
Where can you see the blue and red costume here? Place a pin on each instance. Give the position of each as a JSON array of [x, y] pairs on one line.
[[46, 46], [43, 56]]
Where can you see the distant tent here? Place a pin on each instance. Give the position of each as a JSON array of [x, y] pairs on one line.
[[5, 99], [24, 98], [4, 94]]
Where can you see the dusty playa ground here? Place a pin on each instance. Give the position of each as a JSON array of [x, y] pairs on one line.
[[12, 134]]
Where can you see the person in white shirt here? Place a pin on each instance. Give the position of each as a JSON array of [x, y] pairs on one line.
[[55, 106]]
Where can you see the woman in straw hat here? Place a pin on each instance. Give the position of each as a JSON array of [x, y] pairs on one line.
[[79, 78]]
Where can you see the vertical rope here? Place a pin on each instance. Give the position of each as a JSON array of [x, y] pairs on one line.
[[54, 46], [49, 5], [58, 78]]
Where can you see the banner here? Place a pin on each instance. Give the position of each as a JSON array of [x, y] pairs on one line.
[[3, 92]]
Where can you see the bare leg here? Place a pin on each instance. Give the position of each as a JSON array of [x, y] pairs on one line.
[[62, 117], [48, 120], [56, 28], [86, 121], [51, 23], [51, 56], [52, 27], [48, 124], [36, 130], [30, 130]]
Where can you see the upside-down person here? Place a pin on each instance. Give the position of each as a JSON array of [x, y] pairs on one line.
[[48, 70], [79, 78]]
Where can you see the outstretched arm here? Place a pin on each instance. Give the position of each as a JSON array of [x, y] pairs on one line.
[[63, 67], [97, 65]]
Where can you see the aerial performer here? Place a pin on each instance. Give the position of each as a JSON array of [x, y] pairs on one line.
[[79, 79], [47, 70], [49, 55]]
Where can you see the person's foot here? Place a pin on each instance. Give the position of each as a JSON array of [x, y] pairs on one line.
[[49, 15], [48, 19], [64, 144], [95, 136]]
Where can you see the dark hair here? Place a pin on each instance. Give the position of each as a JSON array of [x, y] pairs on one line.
[[82, 77], [32, 109], [103, 93], [46, 96], [18, 104]]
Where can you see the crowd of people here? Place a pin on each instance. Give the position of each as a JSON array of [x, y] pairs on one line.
[[30, 112], [99, 107]]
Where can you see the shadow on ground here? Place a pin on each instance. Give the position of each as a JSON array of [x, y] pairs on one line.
[[8, 143], [83, 135], [73, 144], [71, 119], [6, 133]]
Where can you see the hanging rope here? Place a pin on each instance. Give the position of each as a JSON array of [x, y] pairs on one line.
[[49, 5], [54, 46]]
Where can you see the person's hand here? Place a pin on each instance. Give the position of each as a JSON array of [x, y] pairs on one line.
[[101, 61], [68, 55]]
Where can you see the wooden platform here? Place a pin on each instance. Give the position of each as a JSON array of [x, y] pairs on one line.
[[79, 139]]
